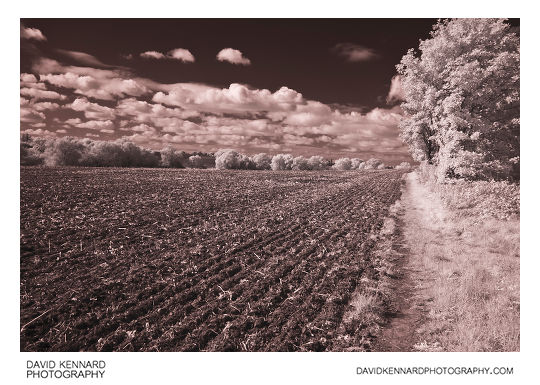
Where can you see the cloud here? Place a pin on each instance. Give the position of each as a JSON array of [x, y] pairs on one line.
[[203, 117], [28, 78], [232, 56], [354, 52], [82, 58], [32, 34], [39, 132], [73, 121], [43, 106], [182, 54], [396, 91], [237, 98], [28, 115], [30, 81], [152, 55], [37, 93], [99, 125], [92, 111], [88, 81]]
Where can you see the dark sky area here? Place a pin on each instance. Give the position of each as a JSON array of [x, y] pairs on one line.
[[283, 52], [87, 78]]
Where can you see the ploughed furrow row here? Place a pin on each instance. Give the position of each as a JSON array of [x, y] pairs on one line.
[[215, 285], [232, 288], [162, 260], [275, 296], [309, 301]]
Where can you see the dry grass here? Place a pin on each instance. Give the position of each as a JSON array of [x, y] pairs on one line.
[[472, 294]]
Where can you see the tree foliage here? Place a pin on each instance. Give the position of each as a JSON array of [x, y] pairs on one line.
[[461, 94], [70, 151], [230, 159]]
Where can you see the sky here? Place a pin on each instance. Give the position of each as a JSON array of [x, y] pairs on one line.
[[300, 86]]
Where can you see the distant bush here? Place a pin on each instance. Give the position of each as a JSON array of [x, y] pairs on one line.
[[29, 155], [69, 151], [300, 163], [173, 158], [317, 162], [262, 161], [373, 164], [196, 161], [403, 166], [357, 164], [342, 164], [116, 154], [63, 152], [232, 160], [282, 162]]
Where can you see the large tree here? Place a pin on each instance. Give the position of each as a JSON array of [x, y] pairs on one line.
[[461, 93]]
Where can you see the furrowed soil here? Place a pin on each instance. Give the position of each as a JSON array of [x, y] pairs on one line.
[[199, 260]]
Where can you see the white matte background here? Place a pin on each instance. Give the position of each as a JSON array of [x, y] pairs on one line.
[[262, 368]]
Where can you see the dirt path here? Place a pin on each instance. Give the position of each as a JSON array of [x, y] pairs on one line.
[[409, 302]]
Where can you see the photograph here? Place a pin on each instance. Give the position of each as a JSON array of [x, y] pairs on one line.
[[270, 185]]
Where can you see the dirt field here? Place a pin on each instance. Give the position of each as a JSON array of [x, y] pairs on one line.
[[197, 260]]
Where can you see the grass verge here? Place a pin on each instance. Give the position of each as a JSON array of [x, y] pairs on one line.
[[464, 237]]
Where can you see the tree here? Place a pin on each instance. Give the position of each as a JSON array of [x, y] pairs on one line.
[[282, 162], [230, 159], [356, 164], [342, 164], [317, 162], [300, 163], [196, 161], [173, 158], [262, 161], [373, 163], [462, 99], [66, 151]]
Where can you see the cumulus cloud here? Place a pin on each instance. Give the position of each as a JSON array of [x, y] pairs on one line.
[[152, 55], [99, 125], [37, 93], [143, 111], [92, 111], [396, 91], [28, 78], [73, 121], [39, 132], [32, 34], [237, 98], [44, 106], [91, 82], [29, 115], [30, 81], [233, 56], [203, 117], [182, 55], [354, 52]]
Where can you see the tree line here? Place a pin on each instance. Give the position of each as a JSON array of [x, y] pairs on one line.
[[70, 151]]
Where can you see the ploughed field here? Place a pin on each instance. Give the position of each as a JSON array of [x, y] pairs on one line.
[[197, 260]]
